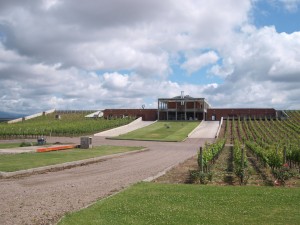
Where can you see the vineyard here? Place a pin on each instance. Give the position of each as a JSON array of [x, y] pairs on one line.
[[272, 145], [68, 124]]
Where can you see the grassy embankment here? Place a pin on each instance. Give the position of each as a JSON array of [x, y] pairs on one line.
[[161, 131], [149, 203], [69, 124], [15, 162]]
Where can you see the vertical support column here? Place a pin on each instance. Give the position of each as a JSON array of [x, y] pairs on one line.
[[158, 109], [194, 110], [176, 110], [203, 108], [167, 109], [184, 110]]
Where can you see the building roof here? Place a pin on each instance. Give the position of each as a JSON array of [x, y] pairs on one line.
[[186, 97]]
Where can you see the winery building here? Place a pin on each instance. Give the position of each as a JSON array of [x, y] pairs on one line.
[[182, 108], [187, 108]]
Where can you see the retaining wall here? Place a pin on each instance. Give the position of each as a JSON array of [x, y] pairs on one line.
[[32, 116]]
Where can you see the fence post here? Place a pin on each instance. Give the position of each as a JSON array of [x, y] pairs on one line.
[[284, 155], [201, 159]]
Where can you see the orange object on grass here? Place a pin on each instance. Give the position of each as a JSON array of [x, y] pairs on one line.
[[56, 148]]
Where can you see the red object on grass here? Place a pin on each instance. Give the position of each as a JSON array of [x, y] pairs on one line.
[[56, 148]]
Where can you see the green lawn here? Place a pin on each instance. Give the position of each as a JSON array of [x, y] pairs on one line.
[[149, 203], [162, 131], [15, 162]]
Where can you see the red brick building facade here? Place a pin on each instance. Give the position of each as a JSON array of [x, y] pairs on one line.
[[216, 114], [146, 114]]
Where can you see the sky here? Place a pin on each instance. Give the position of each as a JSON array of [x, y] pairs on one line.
[[98, 54]]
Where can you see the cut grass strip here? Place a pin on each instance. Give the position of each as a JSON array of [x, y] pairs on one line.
[[149, 203], [15, 162], [161, 131]]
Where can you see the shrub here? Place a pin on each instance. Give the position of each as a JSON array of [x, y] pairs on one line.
[[26, 144]]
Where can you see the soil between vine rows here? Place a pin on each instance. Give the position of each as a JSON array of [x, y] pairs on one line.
[[223, 172]]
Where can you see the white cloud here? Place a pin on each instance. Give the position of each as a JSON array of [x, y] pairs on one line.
[[264, 70], [115, 80], [194, 64], [120, 53], [48, 4], [291, 5], [268, 55], [223, 70], [119, 34]]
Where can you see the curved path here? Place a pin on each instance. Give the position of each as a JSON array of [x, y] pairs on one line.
[[206, 129], [44, 198], [136, 124]]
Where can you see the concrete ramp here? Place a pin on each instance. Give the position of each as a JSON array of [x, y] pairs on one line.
[[31, 116], [206, 129], [137, 124], [95, 114]]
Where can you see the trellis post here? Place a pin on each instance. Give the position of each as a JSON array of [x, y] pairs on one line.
[[201, 159], [242, 165]]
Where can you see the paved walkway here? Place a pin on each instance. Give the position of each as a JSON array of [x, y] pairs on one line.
[[28, 149], [206, 129], [44, 198], [137, 124], [19, 150]]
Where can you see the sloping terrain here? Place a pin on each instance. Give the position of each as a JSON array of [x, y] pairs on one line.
[[137, 124], [206, 129]]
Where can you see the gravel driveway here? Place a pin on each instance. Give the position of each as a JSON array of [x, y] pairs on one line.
[[44, 198]]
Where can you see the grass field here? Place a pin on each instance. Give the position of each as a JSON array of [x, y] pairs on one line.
[[149, 203], [15, 162], [162, 131]]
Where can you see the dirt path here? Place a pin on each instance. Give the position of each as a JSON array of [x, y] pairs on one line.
[[259, 175], [223, 170], [223, 173], [44, 198], [179, 174]]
